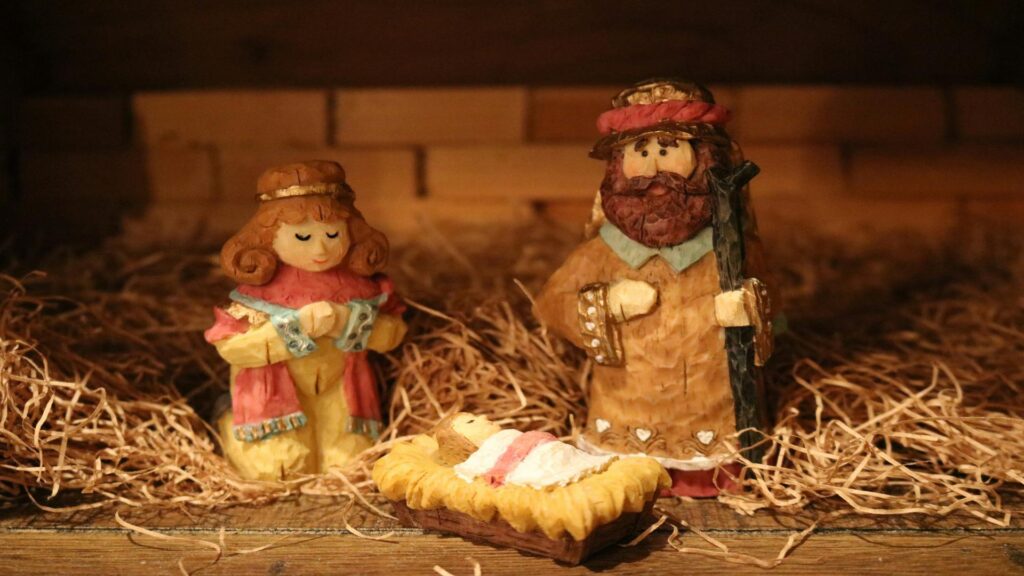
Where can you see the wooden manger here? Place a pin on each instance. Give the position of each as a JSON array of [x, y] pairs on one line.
[[500, 533]]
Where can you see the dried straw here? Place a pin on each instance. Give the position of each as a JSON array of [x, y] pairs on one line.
[[477, 568], [896, 393], [919, 413]]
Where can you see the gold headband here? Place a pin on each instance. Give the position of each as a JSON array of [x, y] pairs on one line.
[[323, 188]]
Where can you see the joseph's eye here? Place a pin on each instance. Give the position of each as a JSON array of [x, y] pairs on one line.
[[329, 235], [302, 238], [663, 152], [644, 153]]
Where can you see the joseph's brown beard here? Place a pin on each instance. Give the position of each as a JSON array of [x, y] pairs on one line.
[[663, 210]]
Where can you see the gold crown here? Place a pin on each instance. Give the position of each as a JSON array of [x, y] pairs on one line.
[[321, 189], [662, 90], [310, 178]]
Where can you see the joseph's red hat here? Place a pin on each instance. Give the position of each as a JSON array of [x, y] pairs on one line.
[[660, 106]]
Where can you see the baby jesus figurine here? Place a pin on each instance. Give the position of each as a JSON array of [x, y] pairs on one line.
[[479, 448], [310, 303], [526, 490]]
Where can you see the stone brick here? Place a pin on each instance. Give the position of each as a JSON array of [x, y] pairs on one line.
[[180, 174], [237, 118], [408, 221], [840, 114], [989, 113], [796, 170], [973, 171], [73, 122], [567, 113], [856, 219], [532, 172], [387, 173], [429, 115]]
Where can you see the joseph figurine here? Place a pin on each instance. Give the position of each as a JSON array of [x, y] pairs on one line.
[[643, 296]]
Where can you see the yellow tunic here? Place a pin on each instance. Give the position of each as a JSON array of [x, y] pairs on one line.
[[323, 441], [672, 398]]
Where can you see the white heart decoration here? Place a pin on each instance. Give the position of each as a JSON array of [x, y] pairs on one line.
[[706, 436], [643, 434], [602, 425]]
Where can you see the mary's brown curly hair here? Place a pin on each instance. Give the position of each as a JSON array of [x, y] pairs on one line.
[[249, 258]]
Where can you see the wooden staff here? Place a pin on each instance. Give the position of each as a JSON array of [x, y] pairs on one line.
[[739, 341]]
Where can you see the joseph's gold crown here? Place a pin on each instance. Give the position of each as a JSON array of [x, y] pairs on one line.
[[662, 90]]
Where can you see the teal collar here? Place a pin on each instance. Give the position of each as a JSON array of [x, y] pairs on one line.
[[679, 257]]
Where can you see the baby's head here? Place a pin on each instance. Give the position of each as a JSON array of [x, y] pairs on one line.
[[459, 435]]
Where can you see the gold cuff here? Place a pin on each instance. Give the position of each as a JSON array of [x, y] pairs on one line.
[[600, 334], [759, 309]]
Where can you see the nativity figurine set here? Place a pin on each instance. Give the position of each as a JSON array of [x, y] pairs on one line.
[[668, 295]]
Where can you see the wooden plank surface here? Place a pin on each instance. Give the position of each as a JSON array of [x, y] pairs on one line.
[[104, 551], [311, 513], [308, 535]]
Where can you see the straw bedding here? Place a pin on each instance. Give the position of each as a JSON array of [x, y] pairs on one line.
[[897, 390]]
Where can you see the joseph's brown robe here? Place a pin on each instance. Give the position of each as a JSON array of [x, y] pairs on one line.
[[672, 397]]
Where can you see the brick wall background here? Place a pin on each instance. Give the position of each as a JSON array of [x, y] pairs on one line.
[[181, 166], [865, 116]]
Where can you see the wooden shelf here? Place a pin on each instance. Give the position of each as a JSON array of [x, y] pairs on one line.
[[308, 535]]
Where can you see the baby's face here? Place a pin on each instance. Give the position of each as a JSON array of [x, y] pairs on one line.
[[474, 427], [313, 246]]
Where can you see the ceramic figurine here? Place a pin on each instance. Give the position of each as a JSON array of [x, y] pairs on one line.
[[526, 490], [311, 302], [669, 296]]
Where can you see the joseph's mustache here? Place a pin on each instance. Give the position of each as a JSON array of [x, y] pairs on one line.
[[676, 183]]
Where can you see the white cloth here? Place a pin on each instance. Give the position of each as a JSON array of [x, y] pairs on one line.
[[556, 464], [549, 464], [486, 456]]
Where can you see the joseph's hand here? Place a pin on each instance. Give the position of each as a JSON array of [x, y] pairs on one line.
[[731, 308], [628, 299]]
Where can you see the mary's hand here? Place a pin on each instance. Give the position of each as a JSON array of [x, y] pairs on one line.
[[341, 314], [387, 334], [317, 319]]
